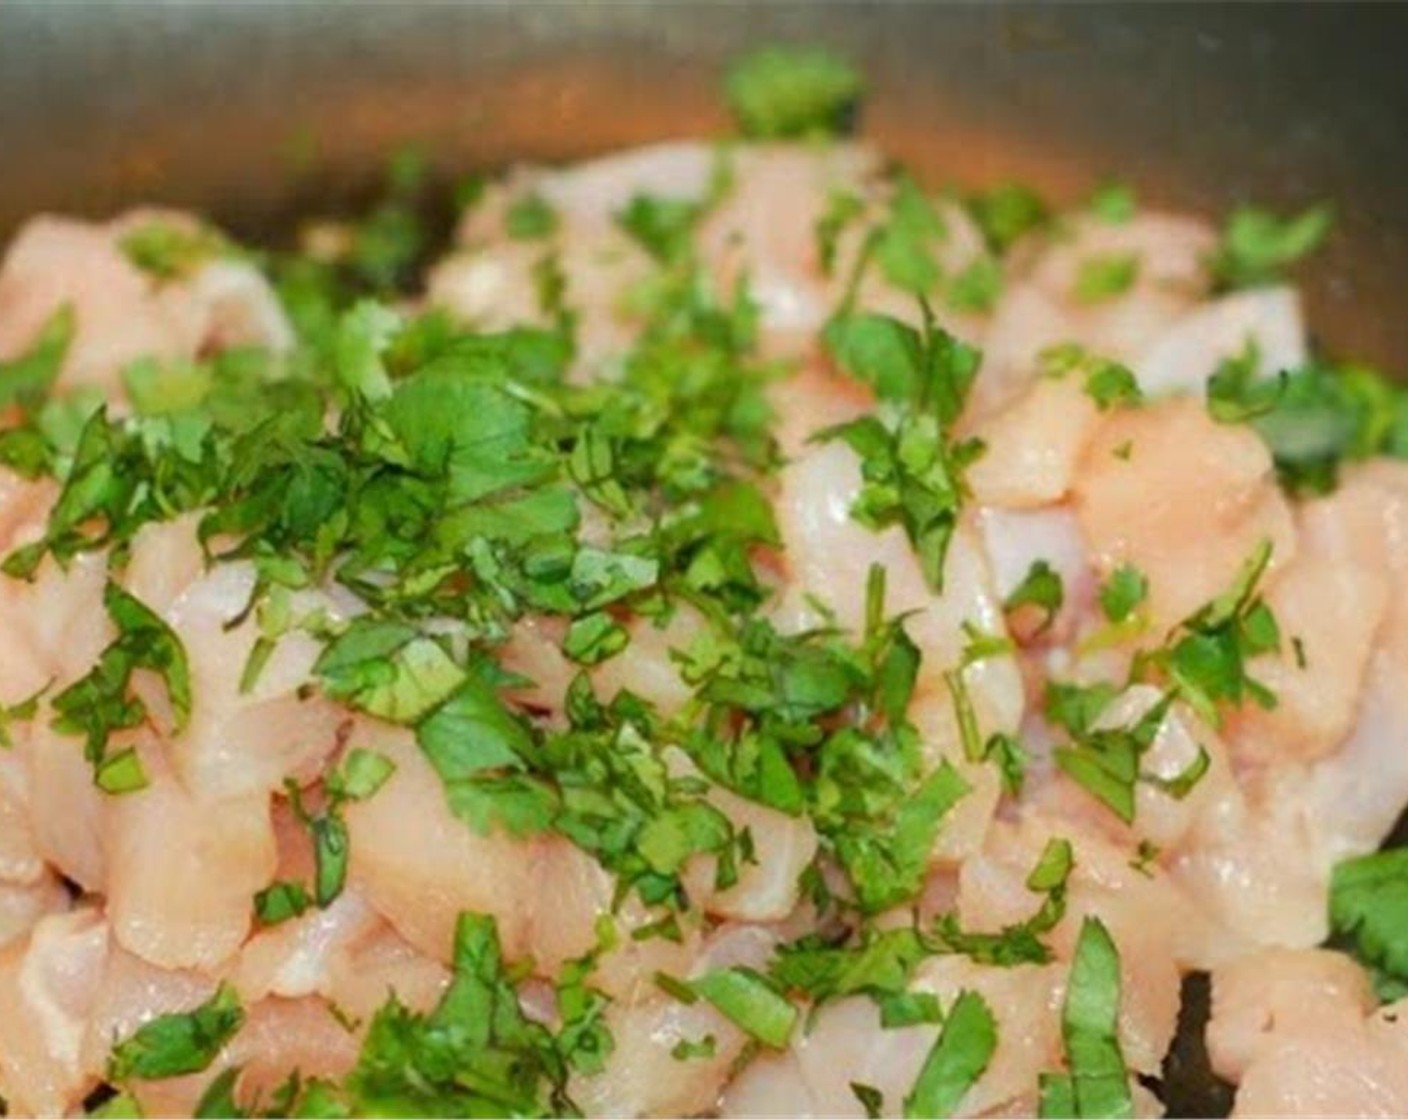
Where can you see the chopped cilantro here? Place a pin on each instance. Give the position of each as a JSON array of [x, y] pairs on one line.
[[169, 250], [783, 92], [976, 287], [1257, 245], [1123, 593], [281, 901], [1103, 277], [1041, 588], [1314, 418], [27, 378], [1096, 1082], [870, 1098], [389, 670], [957, 1059], [101, 703], [1019, 943], [905, 241], [686, 1049], [747, 999], [179, 1042], [530, 217], [1113, 202], [1369, 906], [842, 208], [913, 472], [1006, 212], [662, 226], [361, 774]]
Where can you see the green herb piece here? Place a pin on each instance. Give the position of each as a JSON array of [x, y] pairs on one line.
[[594, 638], [976, 287], [476, 1054], [388, 670], [1312, 419], [178, 1043], [686, 1049], [870, 1098], [1103, 277], [1123, 593], [1097, 1083], [913, 473], [331, 850], [904, 245], [880, 964], [1021, 942], [783, 92], [842, 209], [1113, 202], [101, 703], [120, 773], [218, 1101], [170, 250], [1257, 246], [662, 226], [361, 774], [482, 754], [1206, 658], [1041, 588], [529, 217], [957, 1059], [1006, 212], [1106, 762], [1108, 383], [119, 1106], [1369, 906], [748, 1000], [281, 901], [26, 379]]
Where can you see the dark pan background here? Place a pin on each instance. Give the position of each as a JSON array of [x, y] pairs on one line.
[[245, 109]]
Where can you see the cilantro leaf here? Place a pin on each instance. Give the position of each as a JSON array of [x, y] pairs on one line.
[[1006, 212], [1369, 905], [387, 669], [179, 1042], [957, 1059], [1105, 276], [1122, 594], [101, 703], [1113, 202], [1257, 245], [748, 1000], [1019, 943], [169, 250], [662, 226], [1097, 1083], [881, 964], [1041, 588], [530, 217], [783, 92], [281, 901], [25, 379]]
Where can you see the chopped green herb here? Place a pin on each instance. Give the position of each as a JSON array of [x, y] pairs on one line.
[[1113, 202], [1257, 245], [957, 1059], [1096, 1082], [27, 378], [529, 217], [1041, 588], [101, 703], [686, 1049], [748, 1000], [1006, 212], [783, 92], [1369, 906], [1104, 277], [281, 901], [180, 1042], [870, 1098], [1123, 593], [169, 250]]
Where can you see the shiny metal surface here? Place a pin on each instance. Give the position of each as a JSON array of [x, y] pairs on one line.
[[245, 108]]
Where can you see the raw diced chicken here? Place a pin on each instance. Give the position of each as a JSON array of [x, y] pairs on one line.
[[1183, 499], [48, 984], [1189, 352], [187, 904]]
